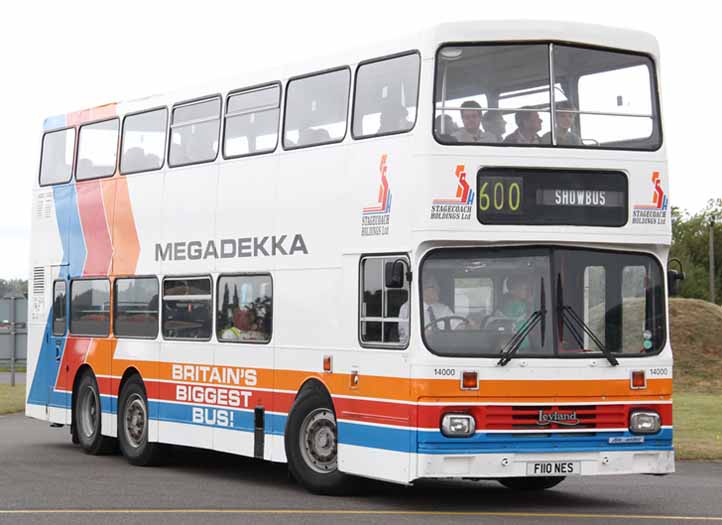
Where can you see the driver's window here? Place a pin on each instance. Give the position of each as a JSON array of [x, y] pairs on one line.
[[383, 311]]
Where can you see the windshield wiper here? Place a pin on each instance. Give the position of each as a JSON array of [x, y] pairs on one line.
[[571, 319], [536, 317]]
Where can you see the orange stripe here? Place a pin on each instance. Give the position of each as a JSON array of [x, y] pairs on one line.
[[428, 390], [126, 247]]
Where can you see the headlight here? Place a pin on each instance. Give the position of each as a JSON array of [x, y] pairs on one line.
[[458, 425], [644, 422]]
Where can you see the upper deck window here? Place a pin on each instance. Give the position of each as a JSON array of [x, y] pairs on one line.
[[56, 164], [252, 121], [503, 94], [195, 128], [385, 96], [316, 109], [143, 141], [97, 150]]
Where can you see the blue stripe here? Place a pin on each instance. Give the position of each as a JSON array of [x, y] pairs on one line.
[[398, 439], [433, 442]]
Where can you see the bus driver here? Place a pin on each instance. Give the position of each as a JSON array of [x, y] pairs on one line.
[[434, 312]]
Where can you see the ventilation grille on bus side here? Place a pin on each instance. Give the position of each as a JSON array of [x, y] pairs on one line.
[[39, 280]]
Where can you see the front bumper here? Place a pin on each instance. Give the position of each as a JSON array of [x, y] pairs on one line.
[[515, 464]]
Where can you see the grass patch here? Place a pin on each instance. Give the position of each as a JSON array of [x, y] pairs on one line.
[[12, 399], [698, 426]]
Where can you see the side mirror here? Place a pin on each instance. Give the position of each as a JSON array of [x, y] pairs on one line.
[[395, 273], [674, 277]]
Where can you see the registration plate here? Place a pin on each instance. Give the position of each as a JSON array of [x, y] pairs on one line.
[[553, 468]]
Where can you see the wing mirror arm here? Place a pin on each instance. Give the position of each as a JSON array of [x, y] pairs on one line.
[[674, 277]]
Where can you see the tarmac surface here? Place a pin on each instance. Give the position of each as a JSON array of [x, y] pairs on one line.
[[46, 479]]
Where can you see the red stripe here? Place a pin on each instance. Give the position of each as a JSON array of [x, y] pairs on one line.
[[95, 228]]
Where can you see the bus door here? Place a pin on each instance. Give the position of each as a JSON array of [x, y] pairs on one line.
[[56, 338], [376, 415]]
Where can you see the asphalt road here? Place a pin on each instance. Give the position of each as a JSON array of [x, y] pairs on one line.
[[46, 479]]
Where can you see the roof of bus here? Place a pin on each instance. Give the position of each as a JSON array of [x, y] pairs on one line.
[[426, 41]]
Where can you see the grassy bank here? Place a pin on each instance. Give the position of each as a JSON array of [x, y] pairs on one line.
[[698, 426], [12, 399], [696, 330]]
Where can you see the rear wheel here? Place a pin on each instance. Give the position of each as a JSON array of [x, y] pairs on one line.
[[87, 417], [133, 425], [531, 483], [311, 445]]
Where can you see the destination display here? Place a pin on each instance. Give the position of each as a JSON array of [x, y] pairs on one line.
[[535, 196]]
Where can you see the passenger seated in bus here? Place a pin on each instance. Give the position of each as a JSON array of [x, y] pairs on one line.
[[152, 161], [309, 136], [564, 122], [471, 117], [448, 129], [528, 124], [134, 159], [494, 125], [244, 327], [394, 117], [515, 303]]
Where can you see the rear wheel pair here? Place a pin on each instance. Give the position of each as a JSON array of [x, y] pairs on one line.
[[132, 422]]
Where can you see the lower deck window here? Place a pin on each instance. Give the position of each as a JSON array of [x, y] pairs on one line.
[[90, 307], [187, 308], [245, 309]]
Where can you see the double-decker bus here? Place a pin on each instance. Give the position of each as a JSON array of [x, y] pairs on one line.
[[442, 257]]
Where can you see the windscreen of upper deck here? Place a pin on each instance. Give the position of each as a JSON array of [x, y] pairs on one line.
[[502, 95]]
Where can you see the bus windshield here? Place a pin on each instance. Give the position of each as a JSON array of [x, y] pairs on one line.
[[502, 94], [589, 302]]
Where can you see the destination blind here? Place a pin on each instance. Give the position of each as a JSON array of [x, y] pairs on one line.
[[537, 196]]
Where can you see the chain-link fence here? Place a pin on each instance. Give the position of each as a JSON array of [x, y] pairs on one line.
[[13, 334]]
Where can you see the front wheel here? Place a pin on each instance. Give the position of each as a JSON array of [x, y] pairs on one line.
[[133, 425], [311, 445], [531, 483], [87, 415]]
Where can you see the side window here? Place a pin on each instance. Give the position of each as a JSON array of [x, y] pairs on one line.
[[143, 141], [386, 95], [245, 308], [187, 308], [90, 307], [383, 311], [97, 150], [59, 308], [56, 162], [136, 308], [316, 109], [195, 128], [252, 121]]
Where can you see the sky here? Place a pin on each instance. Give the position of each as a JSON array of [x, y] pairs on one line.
[[59, 57]]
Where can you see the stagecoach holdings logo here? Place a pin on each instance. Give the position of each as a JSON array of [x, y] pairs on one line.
[[376, 220], [568, 419], [655, 213], [458, 208]]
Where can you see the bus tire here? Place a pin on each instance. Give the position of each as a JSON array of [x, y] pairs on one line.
[[133, 419], [311, 445], [87, 418], [531, 483]]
